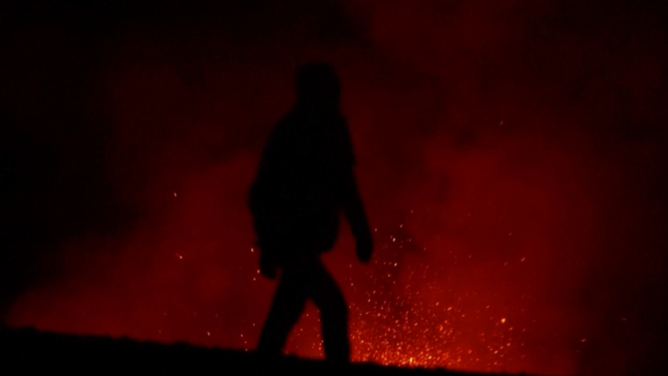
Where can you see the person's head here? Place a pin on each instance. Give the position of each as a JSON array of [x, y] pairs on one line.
[[318, 86]]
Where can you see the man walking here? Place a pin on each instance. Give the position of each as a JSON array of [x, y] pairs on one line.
[[304, 182]]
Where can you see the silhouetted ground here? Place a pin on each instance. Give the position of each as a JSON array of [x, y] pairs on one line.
[[29, 352]]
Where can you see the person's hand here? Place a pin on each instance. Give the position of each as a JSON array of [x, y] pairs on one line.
[[364, 248], [267, 268]]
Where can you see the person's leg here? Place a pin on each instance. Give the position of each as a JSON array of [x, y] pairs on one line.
[[286, 308], [327, 296]]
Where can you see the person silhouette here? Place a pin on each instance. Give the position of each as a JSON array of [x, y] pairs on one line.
[[305, 180]]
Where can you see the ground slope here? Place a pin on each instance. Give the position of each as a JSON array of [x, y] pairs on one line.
[[29, 352]]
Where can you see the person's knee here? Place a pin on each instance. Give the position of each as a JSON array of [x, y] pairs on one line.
[[336, 308], [341, 306]]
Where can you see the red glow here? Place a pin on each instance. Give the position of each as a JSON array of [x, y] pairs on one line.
[[503, 224]]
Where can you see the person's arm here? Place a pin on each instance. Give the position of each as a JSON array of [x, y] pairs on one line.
[[353, 210]]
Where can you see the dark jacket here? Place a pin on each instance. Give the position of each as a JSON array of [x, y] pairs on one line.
[[304, 181]]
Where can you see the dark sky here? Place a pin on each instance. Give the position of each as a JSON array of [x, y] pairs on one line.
[[512, 157]]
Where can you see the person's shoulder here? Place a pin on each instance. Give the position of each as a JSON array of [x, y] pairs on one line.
[[283, 125], [284, 121], [289, 120]]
